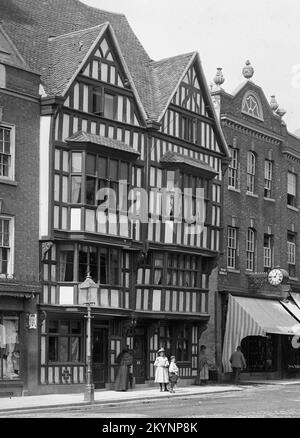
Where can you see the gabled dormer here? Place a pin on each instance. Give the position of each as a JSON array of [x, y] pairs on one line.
[[188, 114]]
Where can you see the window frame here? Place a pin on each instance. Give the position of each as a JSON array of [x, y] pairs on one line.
[[58, 335], [233, 169], [292, 253], [251, 172], [268, 178], [232, 251], [250, 249], [268, 249], [10, 261], [292, 197], [11, 128]]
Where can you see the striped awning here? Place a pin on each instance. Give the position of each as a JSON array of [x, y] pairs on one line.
[[254, 317]]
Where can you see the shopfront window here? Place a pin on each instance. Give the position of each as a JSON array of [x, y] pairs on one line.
[[260, 353], [65, 341], [9, 346]]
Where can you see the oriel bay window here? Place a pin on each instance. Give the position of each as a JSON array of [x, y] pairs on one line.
[[181, 270], [103, 264]]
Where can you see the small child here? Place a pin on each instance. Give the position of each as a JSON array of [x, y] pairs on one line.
[[173, 373]]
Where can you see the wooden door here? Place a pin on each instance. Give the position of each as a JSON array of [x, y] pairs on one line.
[[100, 356], [139, 357]]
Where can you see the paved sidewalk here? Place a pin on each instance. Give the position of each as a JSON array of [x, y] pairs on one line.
[[106, 397]]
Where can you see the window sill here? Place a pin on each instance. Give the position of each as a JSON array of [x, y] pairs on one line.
[[233, 271], [269, 199], [232, 189], [8, 182], [290, 207], [252, 195]]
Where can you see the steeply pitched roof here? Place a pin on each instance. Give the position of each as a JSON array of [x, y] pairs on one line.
[[30, 23], [84, 137], [66, 53]]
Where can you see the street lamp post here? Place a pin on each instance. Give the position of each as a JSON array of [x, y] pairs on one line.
[[88, 297]]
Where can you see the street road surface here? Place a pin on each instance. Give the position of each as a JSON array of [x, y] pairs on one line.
[[260, 401]]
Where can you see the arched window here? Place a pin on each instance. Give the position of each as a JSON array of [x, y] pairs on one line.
[[252, 106]]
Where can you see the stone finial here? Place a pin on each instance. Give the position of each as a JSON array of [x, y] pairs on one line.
[[219, 78], [281, 112], [273, 103], [248, 70]]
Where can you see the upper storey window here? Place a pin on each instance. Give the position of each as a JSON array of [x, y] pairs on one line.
[[252, 106]]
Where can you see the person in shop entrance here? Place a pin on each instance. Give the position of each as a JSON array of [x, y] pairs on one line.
[[161, 365], [238, 363], [203, 366], [124, 360]]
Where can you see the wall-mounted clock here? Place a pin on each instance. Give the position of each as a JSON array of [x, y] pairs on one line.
[[275, 277]]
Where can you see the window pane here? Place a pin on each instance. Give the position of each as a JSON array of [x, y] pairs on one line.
[[114, 170], [76, 162], [102, 167], [103, 266], [114, 267], [108, 106], [76, 189], [53, 326], [75, 349], [66, 265], [53, 349], [91, 164], [90, 190], [64, 327], [63, 349]]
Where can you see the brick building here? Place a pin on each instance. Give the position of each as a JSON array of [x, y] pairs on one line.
[[261, 231], [19, 234], [112, 118]]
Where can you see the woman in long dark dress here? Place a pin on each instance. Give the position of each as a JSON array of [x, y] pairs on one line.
[[124, 360]]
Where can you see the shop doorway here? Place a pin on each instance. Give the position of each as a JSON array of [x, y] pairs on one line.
[[100, 356], [140, 355]]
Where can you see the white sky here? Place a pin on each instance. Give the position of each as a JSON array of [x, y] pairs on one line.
[[226, 34]]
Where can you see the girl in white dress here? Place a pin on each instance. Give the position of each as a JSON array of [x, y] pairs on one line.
[[162, 369]]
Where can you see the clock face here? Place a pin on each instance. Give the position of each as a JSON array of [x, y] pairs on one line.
[[275, 277]]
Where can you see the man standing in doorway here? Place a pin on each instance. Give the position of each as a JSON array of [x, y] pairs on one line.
[[238, 363]]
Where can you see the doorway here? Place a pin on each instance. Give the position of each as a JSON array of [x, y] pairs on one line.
[[140, 355], [100, 356]]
